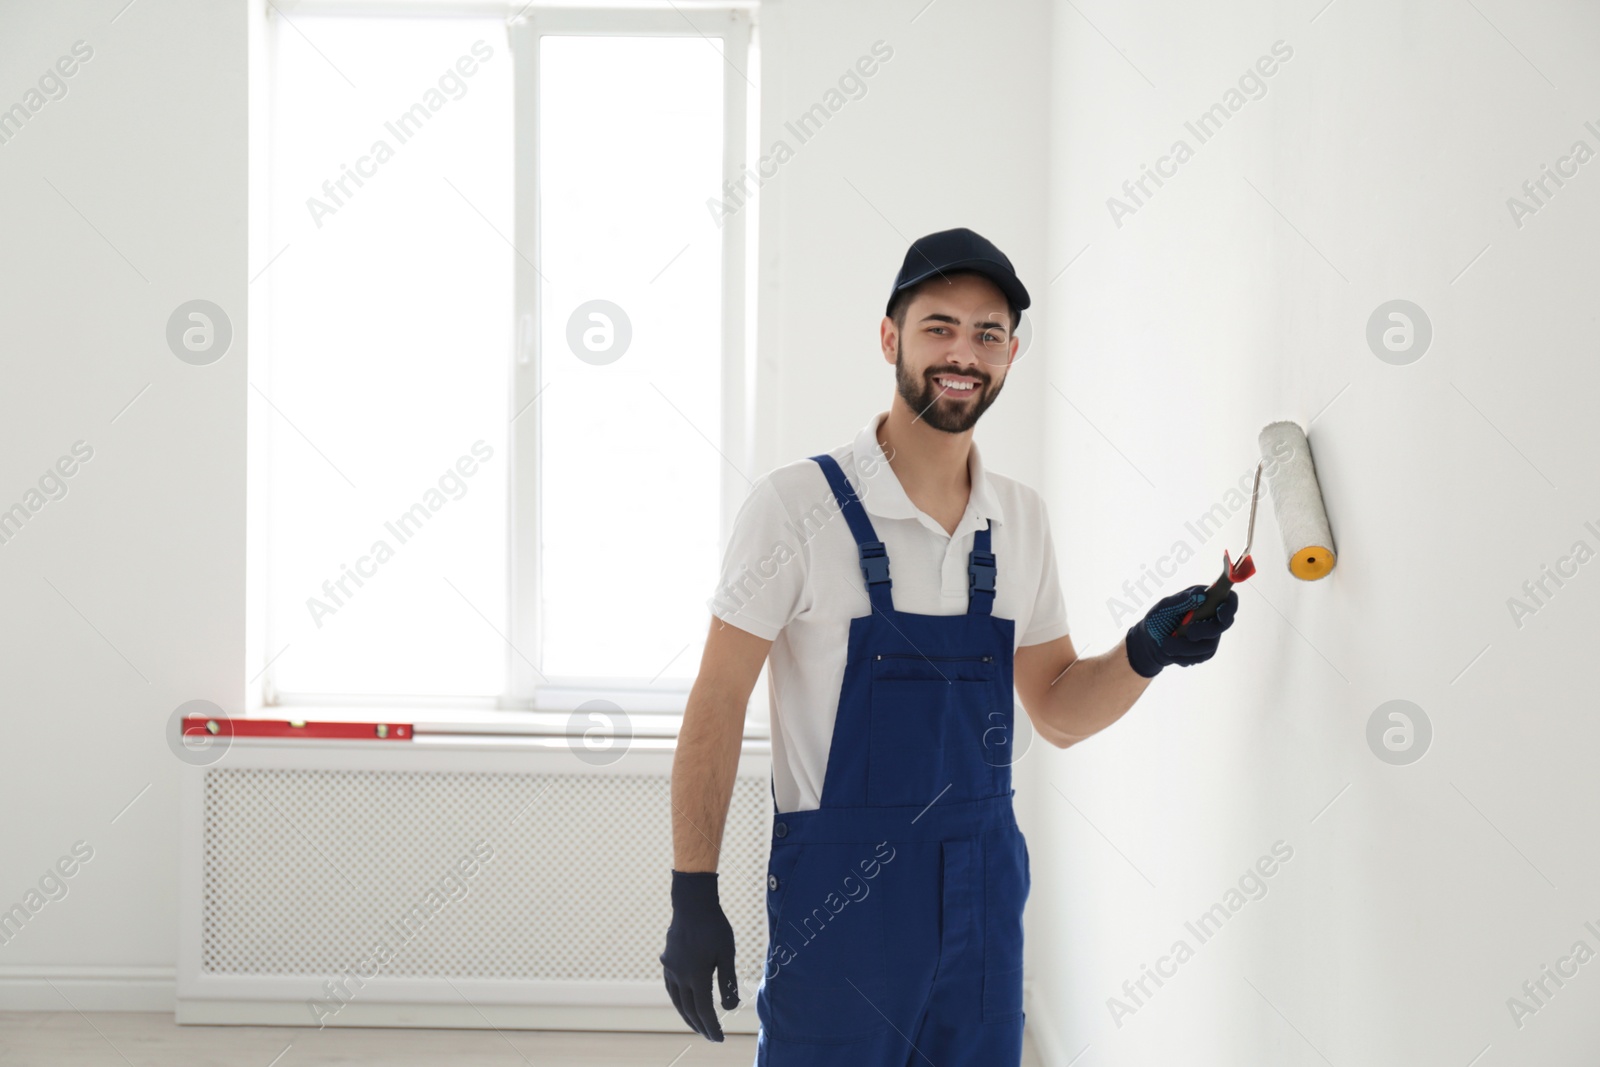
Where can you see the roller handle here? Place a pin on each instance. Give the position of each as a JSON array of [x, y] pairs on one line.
[[1231, 573]]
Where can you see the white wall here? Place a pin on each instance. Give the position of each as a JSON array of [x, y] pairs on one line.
[[1418, 898], [124, 598], [127, 597]]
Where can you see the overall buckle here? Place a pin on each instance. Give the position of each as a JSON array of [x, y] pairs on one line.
[[980, 573], [874, 562]]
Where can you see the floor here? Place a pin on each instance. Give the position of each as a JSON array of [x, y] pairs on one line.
[[148, 1039]]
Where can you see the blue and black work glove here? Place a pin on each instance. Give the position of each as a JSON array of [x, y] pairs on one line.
[[1151, 644], [699, 941]]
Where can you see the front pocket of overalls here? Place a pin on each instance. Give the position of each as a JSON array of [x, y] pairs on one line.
[[825, 969], [930, 723], [1007, 881]]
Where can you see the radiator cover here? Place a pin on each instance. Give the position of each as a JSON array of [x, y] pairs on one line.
[[353, 863]]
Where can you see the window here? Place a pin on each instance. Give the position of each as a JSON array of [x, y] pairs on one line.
[[501, 405]]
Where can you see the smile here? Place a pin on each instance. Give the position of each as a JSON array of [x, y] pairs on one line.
[[957, 386]]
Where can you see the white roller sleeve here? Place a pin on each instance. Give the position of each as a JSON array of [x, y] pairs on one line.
[[1297, 500]]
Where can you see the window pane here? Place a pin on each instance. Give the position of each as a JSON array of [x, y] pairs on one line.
[[389, 355], [630, 149]]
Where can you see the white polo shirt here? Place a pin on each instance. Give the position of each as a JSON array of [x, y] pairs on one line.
[[790, 574]]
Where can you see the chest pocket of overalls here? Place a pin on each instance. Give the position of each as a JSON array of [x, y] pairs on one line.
[[932, 718]]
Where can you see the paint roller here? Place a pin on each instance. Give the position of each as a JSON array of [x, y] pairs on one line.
[[1297, 503]]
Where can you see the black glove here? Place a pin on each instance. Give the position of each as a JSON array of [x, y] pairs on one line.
[[1151, 645], [699, 940]]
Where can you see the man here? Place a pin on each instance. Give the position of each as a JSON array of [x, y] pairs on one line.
[[897, 876]]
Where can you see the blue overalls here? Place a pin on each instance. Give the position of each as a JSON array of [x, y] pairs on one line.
[[894, 910]]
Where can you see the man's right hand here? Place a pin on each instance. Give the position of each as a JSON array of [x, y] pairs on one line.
[[699, 941]]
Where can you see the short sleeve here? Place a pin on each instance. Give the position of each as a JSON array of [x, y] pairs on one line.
[[1049, 618], [763, 571]]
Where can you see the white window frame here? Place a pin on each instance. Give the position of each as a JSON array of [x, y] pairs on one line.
[[732, 25]]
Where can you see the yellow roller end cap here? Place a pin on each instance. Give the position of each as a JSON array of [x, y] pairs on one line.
[[1311, 563]]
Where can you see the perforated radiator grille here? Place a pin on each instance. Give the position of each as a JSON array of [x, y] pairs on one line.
[[311, 872]]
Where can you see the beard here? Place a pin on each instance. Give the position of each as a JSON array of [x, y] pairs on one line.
[[928, 400]]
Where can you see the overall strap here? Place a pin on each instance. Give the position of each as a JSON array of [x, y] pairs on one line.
[[980, 574], [874, 557]]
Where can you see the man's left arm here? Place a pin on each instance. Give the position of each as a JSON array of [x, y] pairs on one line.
[[1068, 697]]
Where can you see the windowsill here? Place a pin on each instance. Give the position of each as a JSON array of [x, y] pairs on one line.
[[467, 723]]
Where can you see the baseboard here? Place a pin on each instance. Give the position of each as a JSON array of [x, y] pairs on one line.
[[214, 1012], [52, 987], [45, 987]]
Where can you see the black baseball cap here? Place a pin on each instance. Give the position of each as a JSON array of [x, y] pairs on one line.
[[958, 249]]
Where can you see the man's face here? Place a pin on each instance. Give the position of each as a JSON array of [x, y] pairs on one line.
[[952, 356]]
